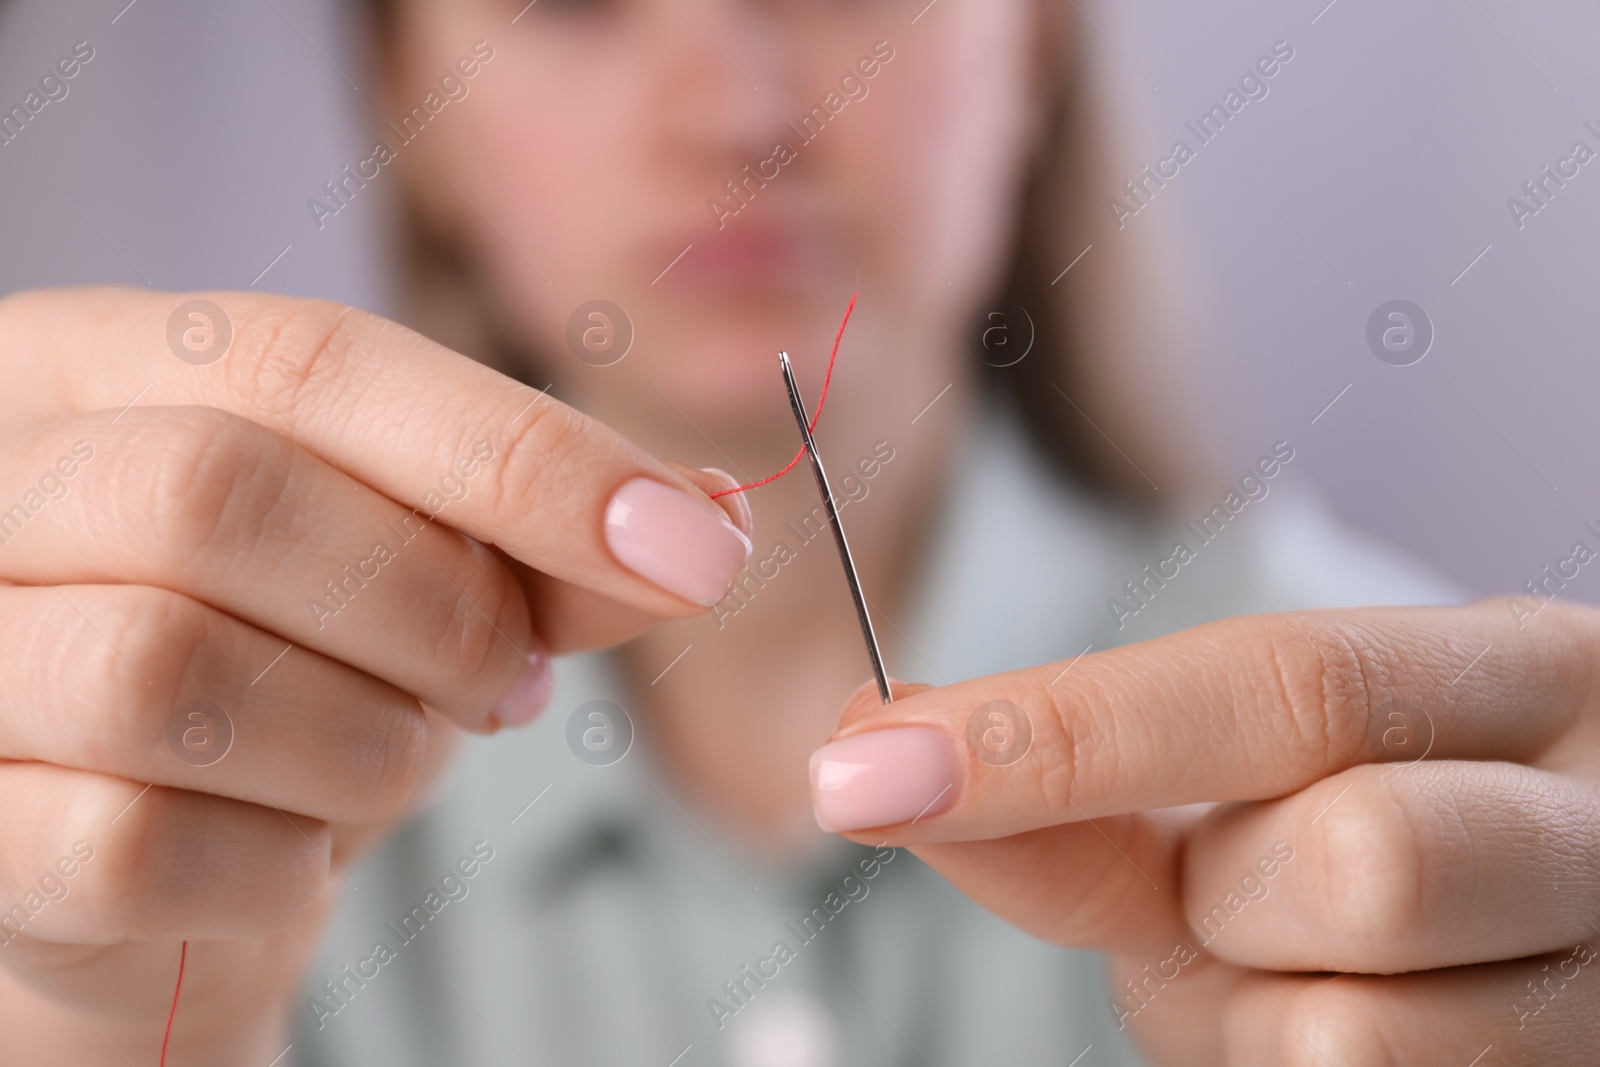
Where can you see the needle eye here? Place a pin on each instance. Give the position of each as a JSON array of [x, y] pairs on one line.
[[828, 504]]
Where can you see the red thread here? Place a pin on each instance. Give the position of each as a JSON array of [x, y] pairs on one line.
[[183, 958], [821, 398]]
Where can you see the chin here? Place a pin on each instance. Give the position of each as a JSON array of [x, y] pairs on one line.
[[730, 382], [728, 374]]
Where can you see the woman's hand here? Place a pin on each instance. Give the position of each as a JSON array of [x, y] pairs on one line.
[[283, 510], [1404, 869]]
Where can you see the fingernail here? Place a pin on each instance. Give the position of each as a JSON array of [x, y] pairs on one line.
[[883, 777], [728, 481], [736, 500], [682, 544], [529, 695]]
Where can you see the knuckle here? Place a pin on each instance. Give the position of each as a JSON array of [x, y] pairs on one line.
[[125, 894], [291, 863], [209, 483], [133, 888], [300, 358], [1332, 1021], [542, 456], [386, 764], [1068, 727], [1318, 674], [204, 865], [1569, 655], [128, 670], [483, 626], [1372, 879]]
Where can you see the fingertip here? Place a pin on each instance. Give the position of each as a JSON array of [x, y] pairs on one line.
[[881, 778], [713, 480], [528, 696], [900, 690], [677, 538], [865, 698]]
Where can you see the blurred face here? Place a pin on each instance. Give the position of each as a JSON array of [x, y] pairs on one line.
[[726, 171]]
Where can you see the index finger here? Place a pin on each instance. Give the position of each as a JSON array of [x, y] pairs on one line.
[[397, 412], [1242, 709]]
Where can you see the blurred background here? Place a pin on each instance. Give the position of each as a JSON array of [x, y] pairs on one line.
[[1378, 167]]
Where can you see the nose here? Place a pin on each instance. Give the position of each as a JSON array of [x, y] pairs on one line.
[[726, 74]]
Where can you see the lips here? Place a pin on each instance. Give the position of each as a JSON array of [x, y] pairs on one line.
[[744, 256]]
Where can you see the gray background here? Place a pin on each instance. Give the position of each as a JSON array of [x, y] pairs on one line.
[[1377, 167]]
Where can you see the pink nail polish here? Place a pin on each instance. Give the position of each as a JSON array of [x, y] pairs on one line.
[[740, 503], [529, 695], [883, 777], [682, 544]]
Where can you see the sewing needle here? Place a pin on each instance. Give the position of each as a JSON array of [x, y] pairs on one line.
[[838, 529]]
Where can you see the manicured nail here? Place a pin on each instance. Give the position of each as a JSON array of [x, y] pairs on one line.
[[883, 777], [737, 500], [529, 695], [728, 481], [682, 544]]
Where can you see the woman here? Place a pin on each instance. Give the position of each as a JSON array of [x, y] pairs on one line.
[[270, 582]]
